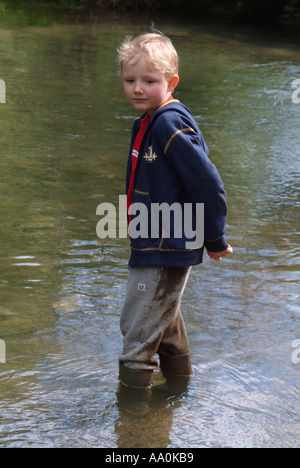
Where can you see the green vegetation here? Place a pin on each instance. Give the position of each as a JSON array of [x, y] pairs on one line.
[[223, 9]]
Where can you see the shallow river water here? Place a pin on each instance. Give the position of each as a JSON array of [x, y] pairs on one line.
[[65, 131]]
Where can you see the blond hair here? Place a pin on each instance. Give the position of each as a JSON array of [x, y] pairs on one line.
[[155, 47]]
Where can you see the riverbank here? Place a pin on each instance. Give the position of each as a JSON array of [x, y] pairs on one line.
[[253, 10], [244, 12], [16, 13], [41, 12]]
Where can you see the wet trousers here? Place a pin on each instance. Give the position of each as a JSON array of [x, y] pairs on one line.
[[151, 320]]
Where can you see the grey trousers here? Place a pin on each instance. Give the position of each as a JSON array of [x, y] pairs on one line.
[[151, 320]]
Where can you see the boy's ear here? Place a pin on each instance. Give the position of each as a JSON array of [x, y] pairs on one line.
[[173, 83]]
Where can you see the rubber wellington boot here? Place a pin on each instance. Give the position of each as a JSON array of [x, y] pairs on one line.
[[135, 378], [176, 367], [170, 386], [133, 400]]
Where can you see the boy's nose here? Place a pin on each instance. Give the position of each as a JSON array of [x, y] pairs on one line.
[[138, 89]]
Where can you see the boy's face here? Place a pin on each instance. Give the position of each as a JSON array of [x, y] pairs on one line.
[[145, 88]]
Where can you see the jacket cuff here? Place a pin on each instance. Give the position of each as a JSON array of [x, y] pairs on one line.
[[216, 246]]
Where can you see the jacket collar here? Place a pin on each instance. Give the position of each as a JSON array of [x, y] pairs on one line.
[[169, 105]]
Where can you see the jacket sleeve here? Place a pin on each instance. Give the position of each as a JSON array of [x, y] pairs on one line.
[[185, 149]]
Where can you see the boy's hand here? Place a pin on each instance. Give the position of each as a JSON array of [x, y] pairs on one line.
[[218, 255]]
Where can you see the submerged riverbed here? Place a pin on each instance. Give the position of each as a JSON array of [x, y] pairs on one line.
[[65, 131]]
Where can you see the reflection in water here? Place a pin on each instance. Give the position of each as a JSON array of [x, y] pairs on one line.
[[65, 131], [146, 418]]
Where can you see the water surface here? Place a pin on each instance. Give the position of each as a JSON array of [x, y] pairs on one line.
[[65, 131]]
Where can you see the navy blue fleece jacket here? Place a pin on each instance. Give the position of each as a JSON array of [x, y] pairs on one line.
[[173, 167]]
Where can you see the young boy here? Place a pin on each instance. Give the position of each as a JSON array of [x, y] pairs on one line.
[[168, 163]]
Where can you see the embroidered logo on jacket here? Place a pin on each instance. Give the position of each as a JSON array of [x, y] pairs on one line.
[[150, 156]]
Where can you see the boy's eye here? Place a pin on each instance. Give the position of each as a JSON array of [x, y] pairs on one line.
[[150, 81]]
